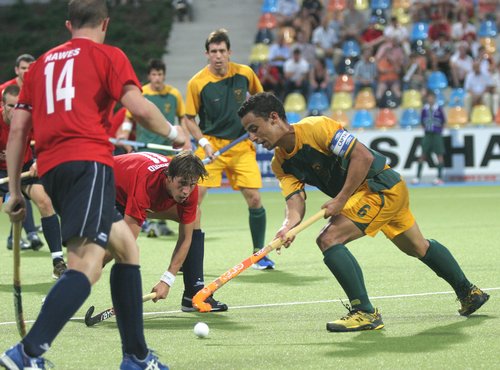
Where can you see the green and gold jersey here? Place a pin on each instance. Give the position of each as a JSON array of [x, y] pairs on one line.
[[216, 100], [169, 101], [321, 159]]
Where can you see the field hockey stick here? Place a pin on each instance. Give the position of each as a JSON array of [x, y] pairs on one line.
[[200, 297], [18, 299], [226, 148], [5, 180], [138, 144], [110, 312]]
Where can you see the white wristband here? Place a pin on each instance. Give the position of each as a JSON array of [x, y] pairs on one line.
[[203, 141], [127, 126], [172, 135], [168, 278]]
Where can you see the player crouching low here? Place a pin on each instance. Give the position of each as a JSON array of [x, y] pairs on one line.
[[152, 185]]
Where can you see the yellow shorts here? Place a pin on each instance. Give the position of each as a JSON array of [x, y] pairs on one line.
[[387, 211], [239, 163]]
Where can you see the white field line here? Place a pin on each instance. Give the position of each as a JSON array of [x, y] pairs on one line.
[[397, 296]]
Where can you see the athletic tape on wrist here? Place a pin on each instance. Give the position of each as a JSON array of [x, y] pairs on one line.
[[168, 278], [203, 141], [127, 126], [172, 135]]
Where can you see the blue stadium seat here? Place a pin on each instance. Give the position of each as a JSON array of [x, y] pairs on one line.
[[437, 80], [292, 117], [269, 6], [487, 28], [330, 67], [318, 103], [362, 119], [419, 31], [457, 98], [351, 48], [380, 4], [379, 17], [440, 98], [410, 118]]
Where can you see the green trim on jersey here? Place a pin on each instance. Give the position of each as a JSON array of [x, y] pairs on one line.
[[329, 172]]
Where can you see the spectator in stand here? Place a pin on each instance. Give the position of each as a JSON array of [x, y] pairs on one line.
[[270, 78], [390, 59], [279, 52], [460, 64], [437, 27], [307, 49], [319, 78], [462, 27], [478, 87], [440, 53], [313, 8], [325, 38], [365, 72], [415, 77], [473, 44], [305, 22], [296, 71], [399, 33], [420, 11], [495, 87], [353, 21], [287, 11], [372, 36]]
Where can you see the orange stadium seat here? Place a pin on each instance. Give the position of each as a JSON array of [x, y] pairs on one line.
[[401, 4], [489, 44], [497, 117], [344, 83], [340, 115], [457, 117], [336, 5], [267, 20], [365, 99], [386, 118]]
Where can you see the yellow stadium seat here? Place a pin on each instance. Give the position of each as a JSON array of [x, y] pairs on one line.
[[340, 115], [489, 44], [295, 102], [457, 117], [365, 99], [259, 53], [386, 119], [403, 15], [341, 100], [411, 99], [361, 4], [481, 115]]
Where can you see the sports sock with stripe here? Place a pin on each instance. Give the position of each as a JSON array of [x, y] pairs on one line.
[[257, 221], [442, 262], [52, 234], [64, 299], [126, 293], [192, 268], [348, 273]]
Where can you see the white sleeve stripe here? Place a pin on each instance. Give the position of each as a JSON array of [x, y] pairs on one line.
[[341, 142]]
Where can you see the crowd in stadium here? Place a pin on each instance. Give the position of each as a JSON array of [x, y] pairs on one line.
[[381, 56]]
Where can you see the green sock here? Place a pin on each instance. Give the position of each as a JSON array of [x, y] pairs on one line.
[[419, 169], [440, 170], [441, 261], [348, 273], [257, 220]]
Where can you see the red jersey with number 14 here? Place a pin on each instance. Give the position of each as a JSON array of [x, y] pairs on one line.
[[70, 91], [140, 186]]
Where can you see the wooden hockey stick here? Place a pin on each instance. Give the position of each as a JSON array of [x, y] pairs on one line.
[[18, 300], [200, 297]]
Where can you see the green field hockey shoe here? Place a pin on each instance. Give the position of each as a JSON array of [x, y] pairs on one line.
[[357, 320], [473, 301]]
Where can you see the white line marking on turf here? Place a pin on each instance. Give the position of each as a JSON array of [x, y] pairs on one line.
[[396, 296]]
